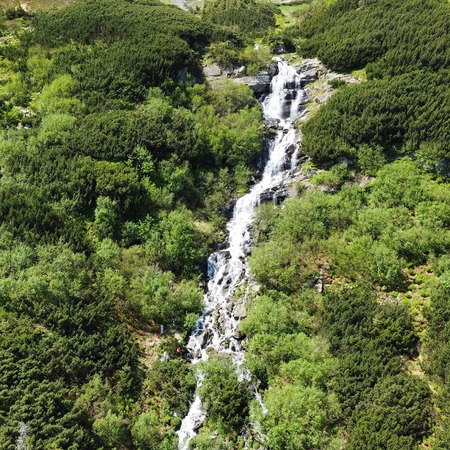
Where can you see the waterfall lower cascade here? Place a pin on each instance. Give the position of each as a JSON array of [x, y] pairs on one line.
[[228, 269]]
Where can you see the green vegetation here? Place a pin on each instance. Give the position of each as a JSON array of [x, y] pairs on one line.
[[115, 162], [116, 159], [224, 397], [243, 16], [403, 108], [382, 251], [335, 363]]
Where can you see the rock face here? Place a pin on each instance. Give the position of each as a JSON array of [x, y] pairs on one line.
[[239, 312], [259, 84], [212, 71], [276, 195], [272, 69], [227, 209], [310, 70], [239, 72], [273, 123]]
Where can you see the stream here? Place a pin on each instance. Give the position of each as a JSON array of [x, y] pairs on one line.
[[217, 328]]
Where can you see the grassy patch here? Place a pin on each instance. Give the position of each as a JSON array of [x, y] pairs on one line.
[[35, 5], [289, 14], [360, 74]]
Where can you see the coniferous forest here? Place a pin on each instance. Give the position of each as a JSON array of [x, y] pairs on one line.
[[119, 163]]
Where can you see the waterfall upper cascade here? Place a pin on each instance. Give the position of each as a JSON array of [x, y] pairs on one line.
[[228, 268]]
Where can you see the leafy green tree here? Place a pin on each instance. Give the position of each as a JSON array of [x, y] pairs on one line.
[[110, 429], [145, 431], [224, 397]]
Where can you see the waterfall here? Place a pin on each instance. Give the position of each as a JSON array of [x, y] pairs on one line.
[[227, 269]]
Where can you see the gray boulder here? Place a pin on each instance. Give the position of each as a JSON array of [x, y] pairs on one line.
[[212, 71], [310, 70], [272, 123], [259, 84]]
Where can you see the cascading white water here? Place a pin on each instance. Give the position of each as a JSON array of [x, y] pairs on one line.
[[217, 327]]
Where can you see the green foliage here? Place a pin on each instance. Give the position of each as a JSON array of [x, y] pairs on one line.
[[300, 414], [406, 109], [361, 240], [370, 159], [399, 184], [110, 429], [296, 367], [394, 415], [397, 35], [57, 97], [439, 327], [368, 338], [145, 431], [332, 179], [176, 242], [245, 16], [405, 48], [129, 62], [113, 178], [173, 381], [224, 397], [207, 441]]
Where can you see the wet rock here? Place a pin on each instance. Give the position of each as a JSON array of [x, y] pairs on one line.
[[227, 209], [291, 149], [304, 101], [203, 338], [223, 245], [193, 348], [279, 49], [276, 195], [239, 336], [272, 123], [302, 159], [212, 71], [197, 425], [272, 69]]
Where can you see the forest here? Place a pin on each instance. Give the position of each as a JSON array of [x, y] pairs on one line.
[[349, 333], [116, 159], [117, 162]]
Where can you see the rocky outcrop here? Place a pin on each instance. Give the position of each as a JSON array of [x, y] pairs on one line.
[[227, 209], [259, 84], [273, 124], [276, 194], [212, 70], [279, 49], [310, 70]]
